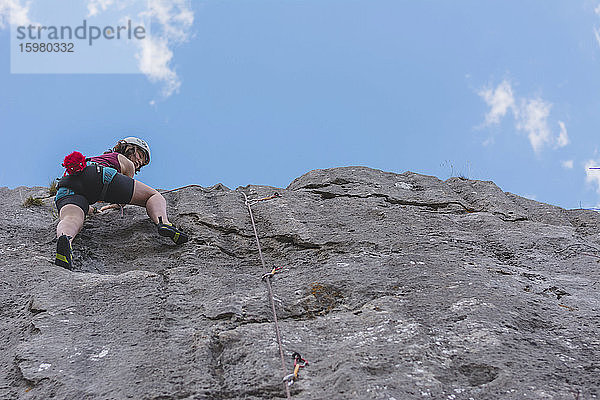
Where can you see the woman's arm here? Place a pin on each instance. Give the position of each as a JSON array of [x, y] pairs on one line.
[[127, 166]]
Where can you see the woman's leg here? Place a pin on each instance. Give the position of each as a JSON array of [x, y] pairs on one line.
[[71, 221], [155, 203]]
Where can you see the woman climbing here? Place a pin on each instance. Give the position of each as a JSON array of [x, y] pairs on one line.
[[108, 178]]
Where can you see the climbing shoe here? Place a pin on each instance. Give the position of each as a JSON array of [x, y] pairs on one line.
[[169, 230], [64, 253]]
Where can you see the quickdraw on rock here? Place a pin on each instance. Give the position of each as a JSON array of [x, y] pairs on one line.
[[270, 274], [273, 196], [299, 362]]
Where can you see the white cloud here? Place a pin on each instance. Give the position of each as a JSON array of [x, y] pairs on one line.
[[531, 116], [533, 120], [13, 12], [174, 16], [596, 30], [567, 164], [592, 176], [597, 34], [96, 6], [489, 141], [500, 100], [563, 136], [172, 21], [154, 60]]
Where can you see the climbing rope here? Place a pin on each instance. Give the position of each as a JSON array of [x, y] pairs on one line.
[[267, 278], [179, 188]]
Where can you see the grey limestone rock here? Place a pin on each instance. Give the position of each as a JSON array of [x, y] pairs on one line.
[[394, 286]]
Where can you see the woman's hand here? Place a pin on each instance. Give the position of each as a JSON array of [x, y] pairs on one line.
[[110, 207]]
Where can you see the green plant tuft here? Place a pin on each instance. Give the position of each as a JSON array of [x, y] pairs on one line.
[[53, 187], [33, 201]]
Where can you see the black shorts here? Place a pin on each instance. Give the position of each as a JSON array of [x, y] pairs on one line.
[[85, 188]]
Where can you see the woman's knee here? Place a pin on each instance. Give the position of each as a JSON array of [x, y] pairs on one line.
[[142, 193], [158, 197], [71, 212]]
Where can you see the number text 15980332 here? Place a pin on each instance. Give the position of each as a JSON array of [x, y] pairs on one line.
[[47, 47]]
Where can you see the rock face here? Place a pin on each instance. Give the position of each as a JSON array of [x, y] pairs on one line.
[[394, 286]]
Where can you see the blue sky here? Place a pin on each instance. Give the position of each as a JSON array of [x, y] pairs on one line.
[[260, 92]]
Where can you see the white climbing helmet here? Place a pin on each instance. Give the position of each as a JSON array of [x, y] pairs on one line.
[[140, 143]]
